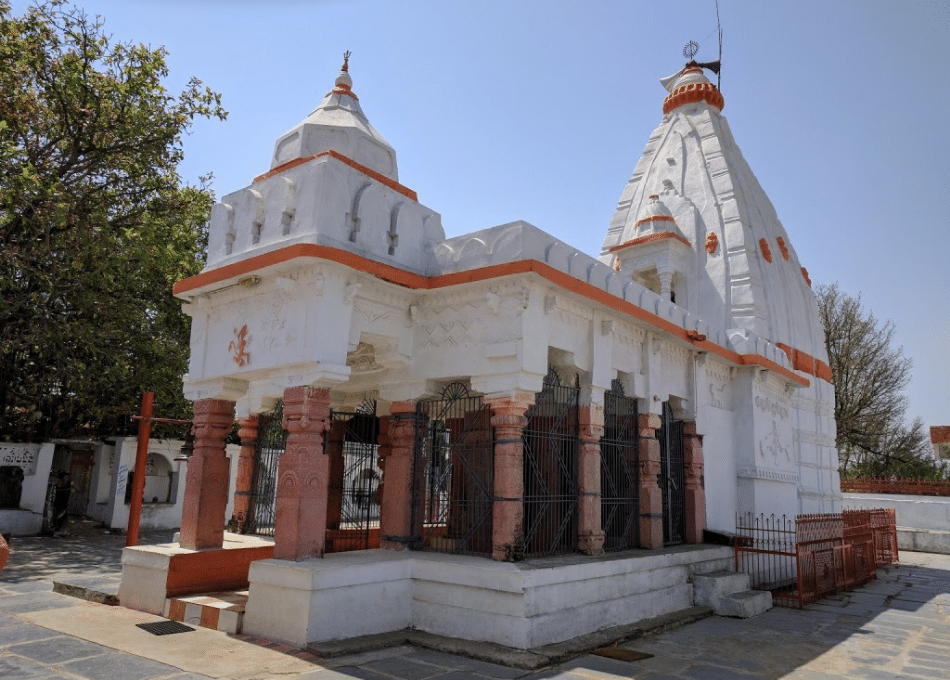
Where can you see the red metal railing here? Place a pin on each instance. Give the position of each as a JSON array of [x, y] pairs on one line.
[[913, 487], [805, 559]]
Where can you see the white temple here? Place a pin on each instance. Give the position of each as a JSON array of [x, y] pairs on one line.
[[532, 407]]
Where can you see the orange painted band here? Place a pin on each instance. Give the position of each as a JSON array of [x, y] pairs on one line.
[[655, 218], [648, 239], [395, 186], [419, 282]]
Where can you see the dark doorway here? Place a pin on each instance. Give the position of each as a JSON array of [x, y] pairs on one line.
[[353, 502], [454, 479], [550, 443], [271, 441], [620, 471], [672, 477]]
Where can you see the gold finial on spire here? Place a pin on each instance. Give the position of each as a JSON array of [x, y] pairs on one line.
[[346, 60]]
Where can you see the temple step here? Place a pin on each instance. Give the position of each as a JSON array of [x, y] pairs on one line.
[[728, 594], [222, 611]]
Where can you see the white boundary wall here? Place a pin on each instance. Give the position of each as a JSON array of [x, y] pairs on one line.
[[923, 522]]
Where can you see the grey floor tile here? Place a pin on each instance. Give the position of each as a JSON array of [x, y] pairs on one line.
[[59, 649], [118, 666], [404, 667], [453, 662], [26, 586], [921, 672], [708, 672], [35, 602], [600, 667], [342, 673], [24, 632], [17, 668]]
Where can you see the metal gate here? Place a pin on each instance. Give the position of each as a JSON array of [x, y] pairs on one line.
[[262, 501], [352, 500], [455, 464], [619, 471], [550, 444], [672, 473]]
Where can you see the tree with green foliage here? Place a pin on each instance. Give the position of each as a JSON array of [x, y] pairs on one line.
[[870, 375], [95, 226]]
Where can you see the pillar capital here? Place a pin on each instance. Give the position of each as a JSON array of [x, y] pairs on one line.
[[247, 429], [306, 409]]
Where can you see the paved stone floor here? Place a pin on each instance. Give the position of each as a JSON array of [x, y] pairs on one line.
[[895, 627]]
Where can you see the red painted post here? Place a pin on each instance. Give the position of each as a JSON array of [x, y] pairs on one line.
[[138, 476]]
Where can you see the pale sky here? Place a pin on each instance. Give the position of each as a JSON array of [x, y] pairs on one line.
[[538, 110]]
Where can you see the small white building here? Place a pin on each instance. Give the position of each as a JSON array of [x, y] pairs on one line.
[[532, 406]]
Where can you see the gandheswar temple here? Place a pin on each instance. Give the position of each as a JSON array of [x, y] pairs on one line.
[[491, 436]]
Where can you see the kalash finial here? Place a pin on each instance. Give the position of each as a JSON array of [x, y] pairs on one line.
[[343, 80]]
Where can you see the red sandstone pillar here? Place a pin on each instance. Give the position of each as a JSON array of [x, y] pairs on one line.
[[590, 539], [509, 421], [396, 521], [302, 476], [651, 496], [695, 483], [384, 451], [206, 487], [247, 431]]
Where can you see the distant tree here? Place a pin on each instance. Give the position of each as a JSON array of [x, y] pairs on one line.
[[870, 375], [95, 226]]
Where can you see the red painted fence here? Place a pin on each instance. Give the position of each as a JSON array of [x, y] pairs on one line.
[[914, 487], [805, 559]]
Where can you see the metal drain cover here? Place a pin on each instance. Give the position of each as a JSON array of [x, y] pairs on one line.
[[621, 654], [165, 627]]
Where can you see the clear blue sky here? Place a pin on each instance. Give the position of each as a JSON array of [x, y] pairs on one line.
[[539, 110]]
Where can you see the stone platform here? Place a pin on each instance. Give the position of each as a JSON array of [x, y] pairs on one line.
[[523, 605]]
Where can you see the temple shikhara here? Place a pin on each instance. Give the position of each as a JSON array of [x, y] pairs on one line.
[[490, 436]]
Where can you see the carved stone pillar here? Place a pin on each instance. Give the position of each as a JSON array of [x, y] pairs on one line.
[[395, 516], [651, 496], [247, 431], [302, 476], [695, 483], [509, 421], [590, 539], [206, 486]]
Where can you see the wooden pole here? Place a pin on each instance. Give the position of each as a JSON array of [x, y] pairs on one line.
[[138, 476]]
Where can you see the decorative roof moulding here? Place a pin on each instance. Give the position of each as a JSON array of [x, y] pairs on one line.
[[691, 87]]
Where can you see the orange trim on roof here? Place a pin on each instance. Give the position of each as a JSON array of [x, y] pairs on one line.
[[649, 238], [655, 218], [418, 281], [395, 186]]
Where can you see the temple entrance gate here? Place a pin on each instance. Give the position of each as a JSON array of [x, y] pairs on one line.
[[453, 490], [353, 501], [551, 487], [620, 471], [672, 477], [262, 500]]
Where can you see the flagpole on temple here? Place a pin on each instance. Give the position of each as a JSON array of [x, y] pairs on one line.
[[145, 419], [138, 476]]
